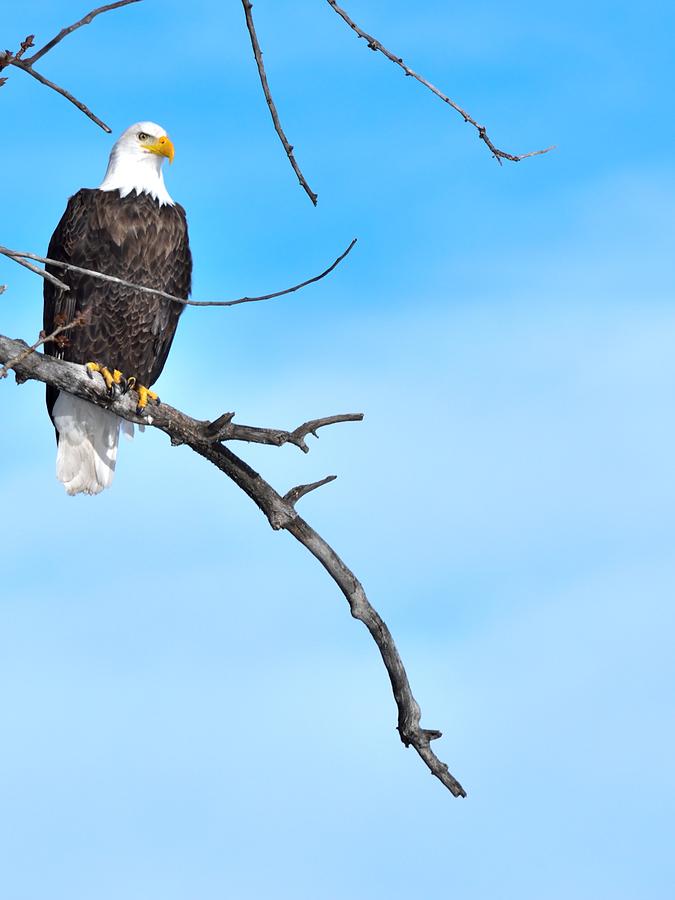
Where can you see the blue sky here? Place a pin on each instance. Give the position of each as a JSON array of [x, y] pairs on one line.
[[188, 709]]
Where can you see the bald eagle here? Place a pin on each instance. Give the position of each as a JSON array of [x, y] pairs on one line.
[[128, 227]]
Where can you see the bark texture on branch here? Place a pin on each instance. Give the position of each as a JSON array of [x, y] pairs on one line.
[[279, 510]]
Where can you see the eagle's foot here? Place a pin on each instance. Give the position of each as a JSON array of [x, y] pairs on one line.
[[144, 395], [115, 382]]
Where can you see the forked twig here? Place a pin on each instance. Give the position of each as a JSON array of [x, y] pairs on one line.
[[224, 429], [21, 260], [85, 20], [26, 64], [20, 256]]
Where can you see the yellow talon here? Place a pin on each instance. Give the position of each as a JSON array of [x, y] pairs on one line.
[[110, 378], [115, 378], [144, 394], [142, 397]]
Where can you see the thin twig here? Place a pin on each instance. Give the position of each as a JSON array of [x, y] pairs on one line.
[[20, 256], [26, 65], [70, 28], [257, 52], [375, 45], [280, 513], [64, 93], [43, 339]]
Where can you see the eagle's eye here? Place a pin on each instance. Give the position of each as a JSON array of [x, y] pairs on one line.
[[142, 136]]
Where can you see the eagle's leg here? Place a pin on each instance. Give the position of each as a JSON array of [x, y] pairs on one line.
[[114, 381], [144, 394]]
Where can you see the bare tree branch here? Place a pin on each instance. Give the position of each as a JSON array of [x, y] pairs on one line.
[[375, 45], [279, 511], [257, 52], [229, 431], [64, 93], [26, 65], [85, 20], [20, 256]]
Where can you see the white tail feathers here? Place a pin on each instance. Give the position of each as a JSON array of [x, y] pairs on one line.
[[88, 436]]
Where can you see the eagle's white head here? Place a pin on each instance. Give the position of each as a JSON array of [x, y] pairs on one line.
[[135, 162]]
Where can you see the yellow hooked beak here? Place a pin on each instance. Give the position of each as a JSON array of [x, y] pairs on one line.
[[162, 147]]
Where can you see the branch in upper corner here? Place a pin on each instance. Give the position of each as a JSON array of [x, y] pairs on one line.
[[375, 45], [20, 256], [85, 20], [280, 513], [257, 52], [26, 64]]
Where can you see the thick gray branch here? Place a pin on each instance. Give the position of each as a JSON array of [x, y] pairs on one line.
[[279, 511]]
